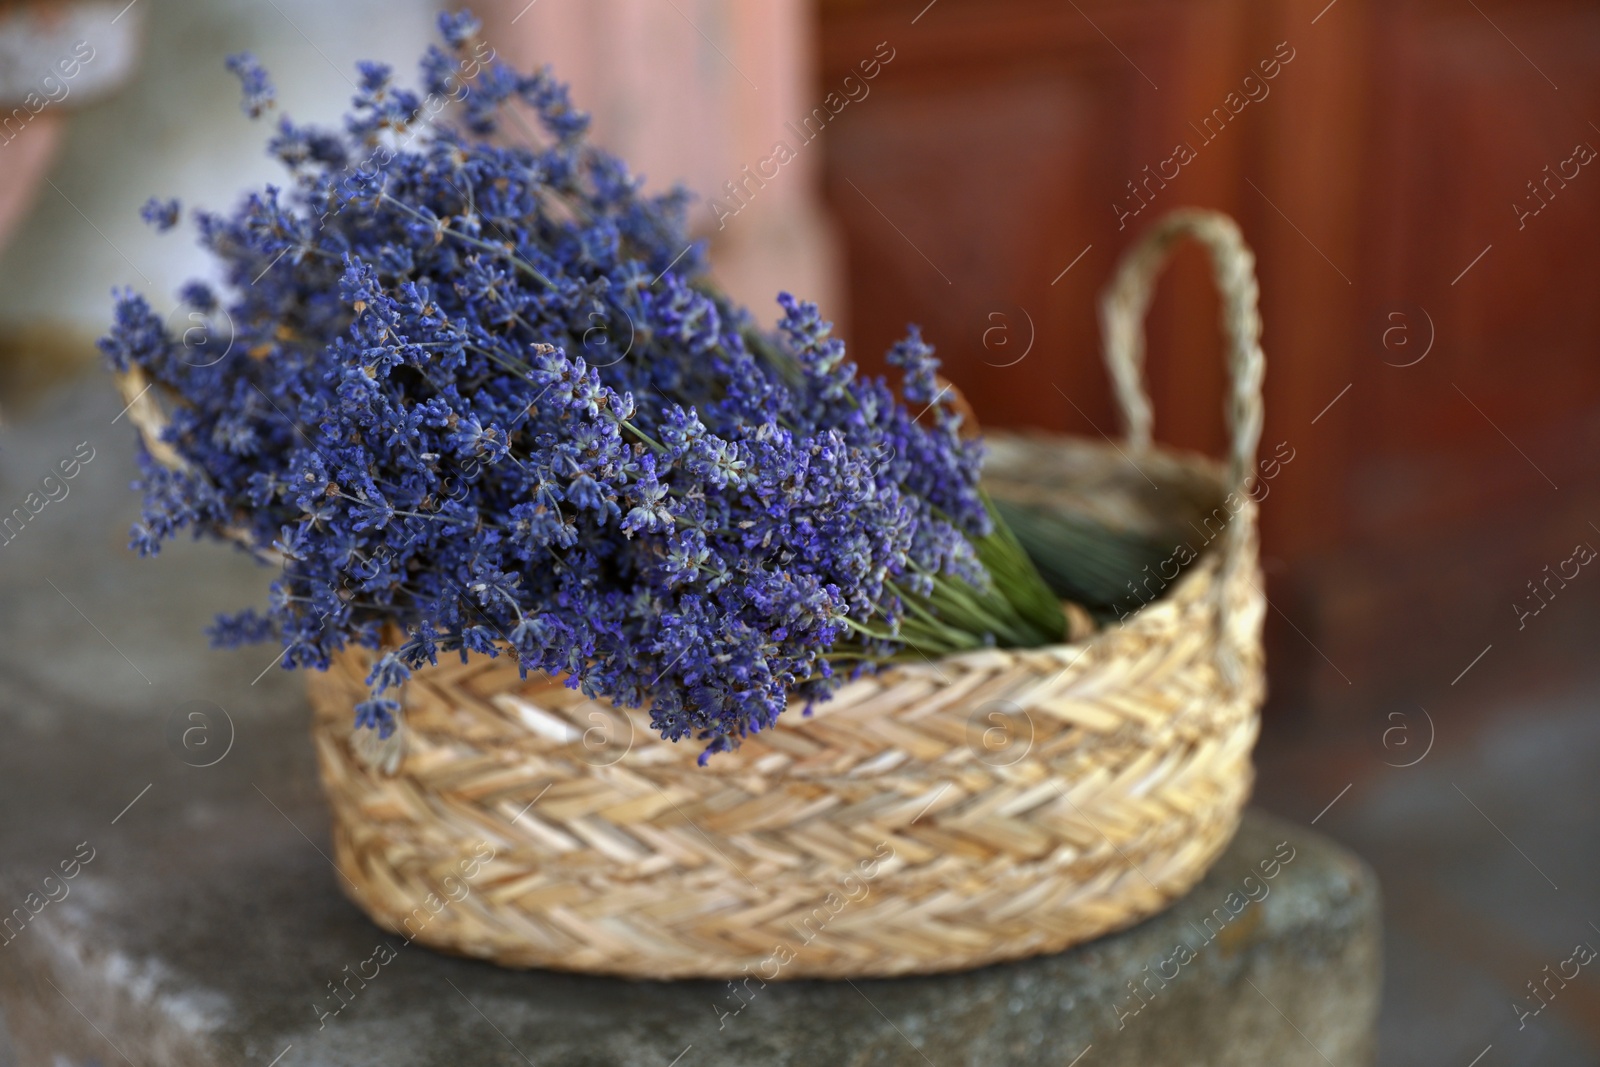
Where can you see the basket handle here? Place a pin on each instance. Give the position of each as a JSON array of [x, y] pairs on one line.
[[1126, 300], [1123, 306]]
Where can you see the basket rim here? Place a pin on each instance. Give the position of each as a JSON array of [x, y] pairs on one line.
[[666, 760]]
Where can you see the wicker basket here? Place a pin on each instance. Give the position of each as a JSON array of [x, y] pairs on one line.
[[933, 817]]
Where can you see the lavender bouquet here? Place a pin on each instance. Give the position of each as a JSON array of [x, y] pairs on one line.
[[481, 398]]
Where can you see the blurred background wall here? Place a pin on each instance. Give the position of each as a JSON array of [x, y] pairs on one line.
[[171, 128]]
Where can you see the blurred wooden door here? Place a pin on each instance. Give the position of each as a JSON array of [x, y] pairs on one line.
[[1430, 315]]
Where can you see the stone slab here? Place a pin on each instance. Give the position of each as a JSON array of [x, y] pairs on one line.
[[204, 922]]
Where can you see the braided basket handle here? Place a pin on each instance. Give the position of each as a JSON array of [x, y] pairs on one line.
[[1123, 306], [1122, 310]]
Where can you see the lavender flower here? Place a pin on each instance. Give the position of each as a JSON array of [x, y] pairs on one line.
[[162, 214], [714, 524], [258, 91]]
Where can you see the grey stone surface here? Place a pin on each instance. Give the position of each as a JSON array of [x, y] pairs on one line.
[[1490, 853], [208, 922]]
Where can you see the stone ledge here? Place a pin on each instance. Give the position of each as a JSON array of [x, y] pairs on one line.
[[205, 933]]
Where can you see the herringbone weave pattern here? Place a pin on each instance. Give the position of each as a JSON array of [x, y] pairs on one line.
[[934, 817]]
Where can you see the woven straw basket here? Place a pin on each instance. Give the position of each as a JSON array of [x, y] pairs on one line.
[[932, 817]]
